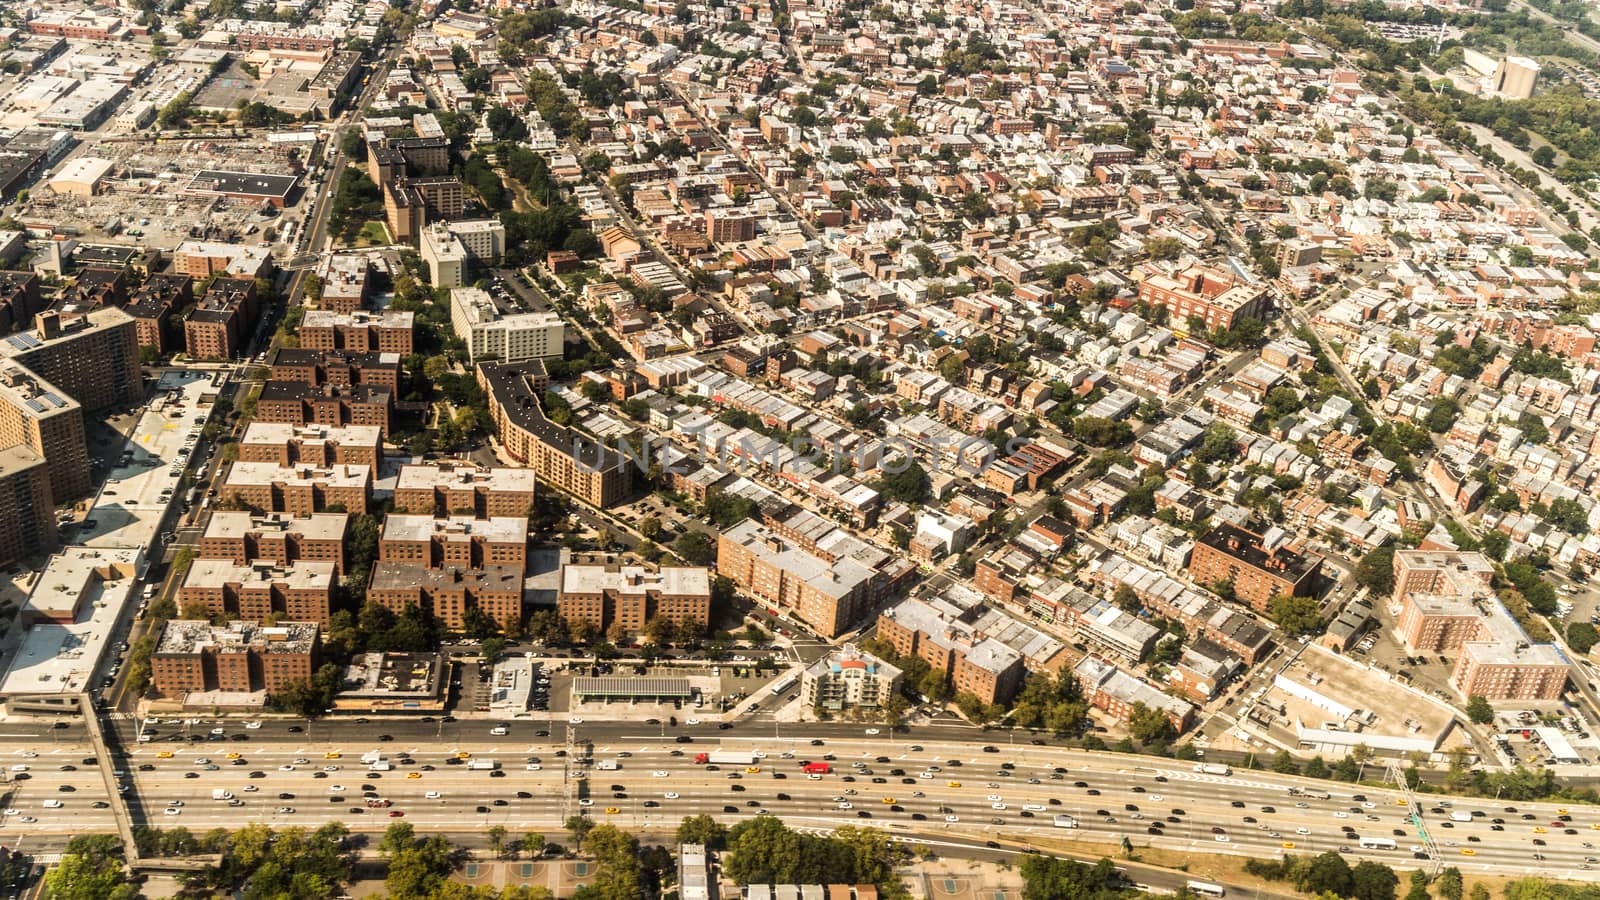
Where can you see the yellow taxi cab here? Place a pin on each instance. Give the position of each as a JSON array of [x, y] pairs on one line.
[[413, 775], [1540, 829], [1594, 826], [332, 754], [463, 755], [1288, 845], [753, 770], [888, 801], [1561, 812], [233, 756], [1401, 801], [1468, 851], [612, 810], [165, 754], [952, 784]]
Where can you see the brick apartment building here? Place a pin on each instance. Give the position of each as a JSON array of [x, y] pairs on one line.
[[561, 456], [222, 320], [1217, 297], [1448, 606], [299, 489], [243, 537], [361, 331], [238, 657], [945, 638], [453, 489], [154, 307], [630, 596], [336, 367], [296, 403], [300, 591], [830, 596], [1259, 567], [450, 566], [318, 445]]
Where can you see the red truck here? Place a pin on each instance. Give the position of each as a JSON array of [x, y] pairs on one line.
[[816, 768]]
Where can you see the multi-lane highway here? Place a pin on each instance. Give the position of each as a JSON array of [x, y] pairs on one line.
[[935, 789]]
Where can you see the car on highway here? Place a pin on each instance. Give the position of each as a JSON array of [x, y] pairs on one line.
[[670, 795]]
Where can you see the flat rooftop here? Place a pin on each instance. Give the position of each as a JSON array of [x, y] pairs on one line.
[[671, 580], [231, 524], [301, 575], [338, 475], [457, 477], [60, 657], [130, 508], [254, 184], [496, 529], [183, 636], [280, 433]]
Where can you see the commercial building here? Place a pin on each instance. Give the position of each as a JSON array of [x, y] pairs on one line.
[[82, 177], [361, 331], [314, 444], [450, 489], [561, 456], [300, 489], [1259, 566], [1448, 606], [255, 591], [93, 358], [829, 595], [256, 187], [395, 682], [848, 678], [630, 596], [240, 657], [491, 336], [66, 626], [243, 537]]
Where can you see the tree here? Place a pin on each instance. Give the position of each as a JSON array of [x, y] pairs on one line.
[[497, 840], [1419, 886], [91, 868], [1284, 764], [905, 480], [1581, 636], [1479, 711], [1373, 881], [702, 829], [1375, 572], [694, 547], [650, 527], [1326, 873], [1295, 615], [1449, 884], [1149, 723], [578, 827]]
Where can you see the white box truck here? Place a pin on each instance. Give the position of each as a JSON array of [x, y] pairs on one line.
[[220, 794], [482, 765], [1066, 822], [381, 765], [1213, 769], [608, 765]]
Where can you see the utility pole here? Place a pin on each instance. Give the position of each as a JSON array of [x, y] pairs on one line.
[[1394, 773]]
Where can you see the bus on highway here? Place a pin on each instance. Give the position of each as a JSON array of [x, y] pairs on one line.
[[1207, 888], [1377, 843]]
